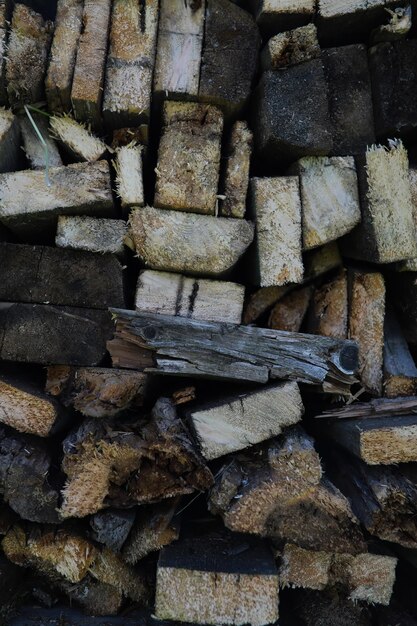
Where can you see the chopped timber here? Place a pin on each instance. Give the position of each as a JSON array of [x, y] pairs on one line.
[[28, 206], [5, 13], [261, 301], [95, 598], [350, 98], [180, 43], [88, 79], [299, 567], [9, 141], [180, 346], [236, 173], [76, 140], [217, 578], [129, 176], [276, 208], [187, 172], [44, 334], [39, 274], [242, 420], [274, 16], [329, 309], [92, 234], [379, 407], [290, 48], [27, 54], [112, 527], [130, 62], [400, 371], [109, 568], [321, 260], [33, 149], [366, 326], [96, 391], [155, 526], [68, 26], [331, 606], [387, 232], [403, 291], [201, 245], [229, 32], [174, 294], [329, 198], [291, 113], [289, 312]]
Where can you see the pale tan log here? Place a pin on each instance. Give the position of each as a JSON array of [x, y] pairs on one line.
[[262, 300], [68, 24], [194, 244], [290, 48], [289, 312], [370, 577], [174, 294], [28, 206], [299, 567], [400, 371], [387, 232], [244, 419], [329, 309], [236, 175], [27, 54], [34, 150], [88, 79], [94, 234], [410, 265], [130, 62], [187, 173], [180, 42], [110, 569], [321, 260], [275, 15], [129, 176], [9, 141], [276, 208], [76, 140], [366, 326]]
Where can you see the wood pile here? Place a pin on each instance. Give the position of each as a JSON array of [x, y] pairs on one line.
[[208, 312]]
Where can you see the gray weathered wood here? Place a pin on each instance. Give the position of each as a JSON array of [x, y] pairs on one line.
[[400, 371], [93, 234], [33, 148], [112, 527], [235, 181], [5, 14], [129, 176]]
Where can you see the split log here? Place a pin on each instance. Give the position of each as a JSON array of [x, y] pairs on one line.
[[5, 14], [112, 527], [217, 578], [39, 274], [400, 371], [313, 608], [180, 43], [92, 234], [329, 198], [236, 173], [129, 176], [387, 232], [154, 527], [403, 292], [68, 26], [34, 150], [393, 86], [189, 158], [274, 16], [178, 346], [189, 243], [281, 494], [262, 300], [88, 79], [308, 569], [174, 294], [76, 140], [329, 309], [96, 391], [27, 54], [130, 62], [229, 33], [244, 419], [28, 206], [9, 140], [291, 113], [380, 407], [350, 98], [277, 211], [289, 312], [366, 326], [290, 48], [35, 333]]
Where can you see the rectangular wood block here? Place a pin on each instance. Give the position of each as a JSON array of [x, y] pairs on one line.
[[236, 172], [93, 234]]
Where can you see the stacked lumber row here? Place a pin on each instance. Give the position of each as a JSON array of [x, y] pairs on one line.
[[176, 226]]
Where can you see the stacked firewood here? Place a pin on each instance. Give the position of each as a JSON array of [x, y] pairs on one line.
[[208, 312]]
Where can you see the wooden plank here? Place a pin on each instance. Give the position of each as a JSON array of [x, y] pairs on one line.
[[34, 150], [180, 43], [88, 79], [174, 294], [68, 25], [227, 351], [329, 309], [274, 16], [9, 141], [379, 407], [29, 207], [129, 176], [189, 158], [400, 371], [235, 182], [289, 312], [130, 62], [78, 142], [200, 245], [276, 208], [242, 420], [39, 274], [92, 234], [290, 48], [35, 333]]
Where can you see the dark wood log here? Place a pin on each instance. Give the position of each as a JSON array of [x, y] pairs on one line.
[[291, 48], [10, 152], [112, 527], [380, 407], [400, 371], [403, 292], [289, 312], [274, 16], [328, 607], [5, 14], [93, 598], [178, 346]]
